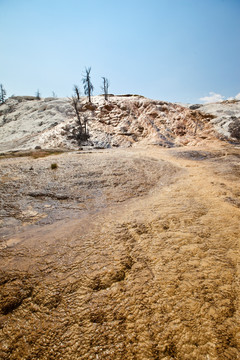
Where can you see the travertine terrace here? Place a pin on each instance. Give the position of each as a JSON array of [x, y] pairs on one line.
[[123, 121], [129, 247]]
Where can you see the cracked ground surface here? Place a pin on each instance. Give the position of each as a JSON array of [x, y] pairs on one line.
[[135, 256]]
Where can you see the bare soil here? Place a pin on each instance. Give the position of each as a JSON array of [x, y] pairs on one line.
[[121, 254]]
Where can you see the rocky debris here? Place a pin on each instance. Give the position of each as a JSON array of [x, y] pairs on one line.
[[124, 121]]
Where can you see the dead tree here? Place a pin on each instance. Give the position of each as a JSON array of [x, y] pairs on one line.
[[105, 87], [3, 94], [87, 85], [85, 121], [38, 95], [76, 91], [79, 132], [76, 105]]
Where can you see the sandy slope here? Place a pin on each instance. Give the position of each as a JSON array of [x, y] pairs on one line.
[[154, 276]]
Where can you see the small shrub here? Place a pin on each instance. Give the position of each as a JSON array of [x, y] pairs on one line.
[[54, 166]]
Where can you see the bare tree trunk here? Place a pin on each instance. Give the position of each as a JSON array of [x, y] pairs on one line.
[[75, 103], [88, 86], [89, 91], [76, 91], [105, 87]]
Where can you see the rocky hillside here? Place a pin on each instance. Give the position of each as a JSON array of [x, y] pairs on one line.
[[225, 117], [125, 121]]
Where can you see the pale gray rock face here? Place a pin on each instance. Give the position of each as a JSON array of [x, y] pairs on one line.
[[23, 121], [225, 113], [126, 120]]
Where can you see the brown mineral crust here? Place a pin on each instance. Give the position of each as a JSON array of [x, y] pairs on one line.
[[146, 268]]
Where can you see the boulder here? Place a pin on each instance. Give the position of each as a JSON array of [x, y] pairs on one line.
[[195, 106]]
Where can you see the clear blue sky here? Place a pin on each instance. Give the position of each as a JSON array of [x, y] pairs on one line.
[[174, 50]]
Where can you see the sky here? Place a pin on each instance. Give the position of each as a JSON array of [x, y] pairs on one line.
[[174, 50]]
